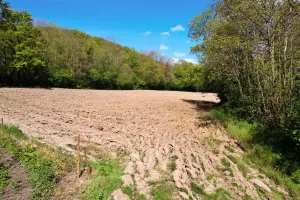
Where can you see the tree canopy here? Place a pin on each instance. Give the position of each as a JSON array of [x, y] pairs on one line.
[[251, 56], [41, 54]]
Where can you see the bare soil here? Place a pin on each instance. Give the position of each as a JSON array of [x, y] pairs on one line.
[[154, 127], [70, 187], [18, 187]]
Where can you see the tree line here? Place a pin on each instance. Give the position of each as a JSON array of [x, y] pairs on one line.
[[41, 54], [250, 51]]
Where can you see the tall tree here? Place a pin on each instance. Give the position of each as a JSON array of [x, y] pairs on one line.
[[251, 48], [22, 53]]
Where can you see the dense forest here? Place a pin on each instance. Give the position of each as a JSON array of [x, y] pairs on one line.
[[41, 54], [250, 51]]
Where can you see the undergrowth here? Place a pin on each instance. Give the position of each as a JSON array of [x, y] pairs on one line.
[[45, 165], [3, 178], [162, 190], [265, 148], [172, 164], [219, 194], [106, 178]]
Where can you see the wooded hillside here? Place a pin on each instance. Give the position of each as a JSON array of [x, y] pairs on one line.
[[45, 55]]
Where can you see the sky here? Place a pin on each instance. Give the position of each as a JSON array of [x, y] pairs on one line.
[[160, 25]]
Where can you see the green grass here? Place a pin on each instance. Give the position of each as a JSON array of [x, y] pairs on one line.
[[262, 151], [172, 165], [220, 194], [129, 191], [3, 178], [197, 189], [44, 165], [242, 167], [16, 185], [162, 190], [106, 178], [238, 129], [231, 150], [216, 151], [232, 158], [225, 162]]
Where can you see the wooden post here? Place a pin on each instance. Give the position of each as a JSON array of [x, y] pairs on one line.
[[2, 121], [85, 158], [78, 157]]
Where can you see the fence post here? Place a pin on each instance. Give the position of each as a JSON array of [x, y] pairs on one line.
[[85, 158], [78, 157]]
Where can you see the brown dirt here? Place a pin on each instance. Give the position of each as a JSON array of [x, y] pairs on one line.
[[18, 187], [153, 126], [70, 187]]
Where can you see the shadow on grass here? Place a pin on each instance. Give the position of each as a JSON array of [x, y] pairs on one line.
[[270, 148], [200, 105], [280, 143]]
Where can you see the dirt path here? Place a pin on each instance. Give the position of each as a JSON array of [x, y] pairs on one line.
[[18, 187], [153, 126]]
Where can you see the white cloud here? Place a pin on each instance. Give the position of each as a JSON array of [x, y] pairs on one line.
[[147, 33], [177, 28], [165, 34], [179, 54], [191, 60], [163, 47], [179, 61], [175, 61]]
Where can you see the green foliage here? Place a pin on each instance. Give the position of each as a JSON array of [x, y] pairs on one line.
[[293, 124], [162, 190], [188, 77], [105, 180], [197, 189], [264, 146], [44, 165], [172, 165], [240, 130], [129, 191], [246, 48], [242, 167], [220, 194], [231, 150], [41, 174], [13, 131], [62, 78], [296, 176], [3, 178], [21, 58], [49, 56], [232, 158], [225, 162]]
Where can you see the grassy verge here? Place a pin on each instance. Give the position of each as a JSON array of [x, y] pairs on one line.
[[219, 193], [106, 178], [162, 190], [3, 178], [45, 165], [265, 149]]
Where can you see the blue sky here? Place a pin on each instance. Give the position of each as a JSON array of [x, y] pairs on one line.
[[140, 24]]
